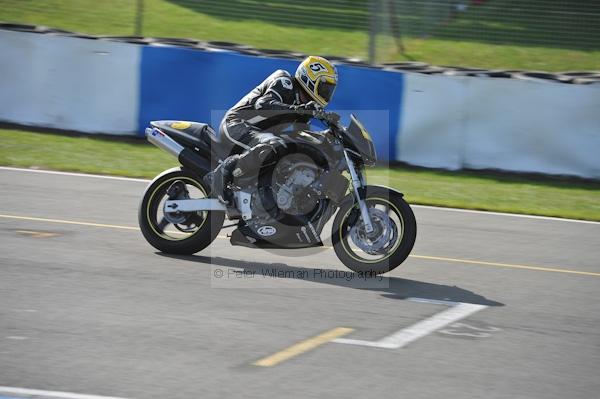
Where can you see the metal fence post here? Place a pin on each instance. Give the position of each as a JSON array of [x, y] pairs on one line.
[[139, 16], [373, 27]]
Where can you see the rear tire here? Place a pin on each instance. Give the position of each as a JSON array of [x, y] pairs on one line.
[[184, 239], [404, 229]]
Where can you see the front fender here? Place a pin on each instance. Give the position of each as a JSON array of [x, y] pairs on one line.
[[370, 189]]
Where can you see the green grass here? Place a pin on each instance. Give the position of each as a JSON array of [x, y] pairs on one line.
[[495, 192], [481, 37], [505, 193], [82, 154]]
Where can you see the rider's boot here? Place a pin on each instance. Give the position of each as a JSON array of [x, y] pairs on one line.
[[220, 178]]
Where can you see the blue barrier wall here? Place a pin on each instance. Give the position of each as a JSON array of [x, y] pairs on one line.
[[179, 83], [450, 122]]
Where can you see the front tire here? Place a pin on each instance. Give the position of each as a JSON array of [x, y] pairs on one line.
[[177, 233], [391, 242]]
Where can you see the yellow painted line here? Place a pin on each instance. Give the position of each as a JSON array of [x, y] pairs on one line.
[[510, 265], [302, 347], [37, 234], [111, 226], [439, 258]]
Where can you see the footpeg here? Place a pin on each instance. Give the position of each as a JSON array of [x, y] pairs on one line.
[[243, 199]]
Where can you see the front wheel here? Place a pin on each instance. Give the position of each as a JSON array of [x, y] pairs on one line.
[[177, 232], [392, 239]]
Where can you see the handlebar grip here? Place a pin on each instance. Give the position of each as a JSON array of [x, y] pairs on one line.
[[329, 117]]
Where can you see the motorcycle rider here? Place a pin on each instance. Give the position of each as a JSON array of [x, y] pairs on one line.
[[251, 126]]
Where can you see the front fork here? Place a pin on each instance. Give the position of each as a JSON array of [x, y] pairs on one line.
[[359, 186]]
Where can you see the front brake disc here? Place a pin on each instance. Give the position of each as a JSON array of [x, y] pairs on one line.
[[382, 232]]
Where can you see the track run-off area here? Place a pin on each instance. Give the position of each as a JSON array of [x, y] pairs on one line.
[[488, 305]]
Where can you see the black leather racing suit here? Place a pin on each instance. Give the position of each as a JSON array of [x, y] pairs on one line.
[[251, 126], [271, 107]]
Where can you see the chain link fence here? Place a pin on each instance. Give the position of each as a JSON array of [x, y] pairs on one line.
[[564, 24], [384, 28], [571, 24]]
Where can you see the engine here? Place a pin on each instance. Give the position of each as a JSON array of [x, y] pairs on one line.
[[300, 178], [292, 188], [287, 204]]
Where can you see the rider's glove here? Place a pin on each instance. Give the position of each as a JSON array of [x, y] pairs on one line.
[[310, 108], [329, 117]]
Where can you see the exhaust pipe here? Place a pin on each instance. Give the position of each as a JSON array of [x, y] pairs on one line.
[[186, 156], [164, 142]]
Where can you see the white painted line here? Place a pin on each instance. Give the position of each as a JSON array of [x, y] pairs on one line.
[[360, 342], [51, 394], [16, 338], [515, 215], [427, 326], [446, 302], [55, 172], [436, 208], [419, 330]]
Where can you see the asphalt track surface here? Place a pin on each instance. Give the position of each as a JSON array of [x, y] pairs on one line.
[[87, 306]]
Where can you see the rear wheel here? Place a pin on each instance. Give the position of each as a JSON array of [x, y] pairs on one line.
[[392, 239], [177, 232]]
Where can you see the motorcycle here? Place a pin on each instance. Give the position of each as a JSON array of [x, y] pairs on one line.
[[286, 202]]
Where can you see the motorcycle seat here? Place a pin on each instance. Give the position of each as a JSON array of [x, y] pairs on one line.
[[190, 134]]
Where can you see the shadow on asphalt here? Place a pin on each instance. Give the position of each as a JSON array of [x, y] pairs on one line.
[[390, 287]]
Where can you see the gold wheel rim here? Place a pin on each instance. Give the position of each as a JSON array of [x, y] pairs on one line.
[[349, 251], [151, 198]]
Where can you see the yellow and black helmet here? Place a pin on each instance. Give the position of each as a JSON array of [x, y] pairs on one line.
[[318, 77]]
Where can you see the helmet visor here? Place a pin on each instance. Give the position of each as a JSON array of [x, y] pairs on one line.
[[325, 90]]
